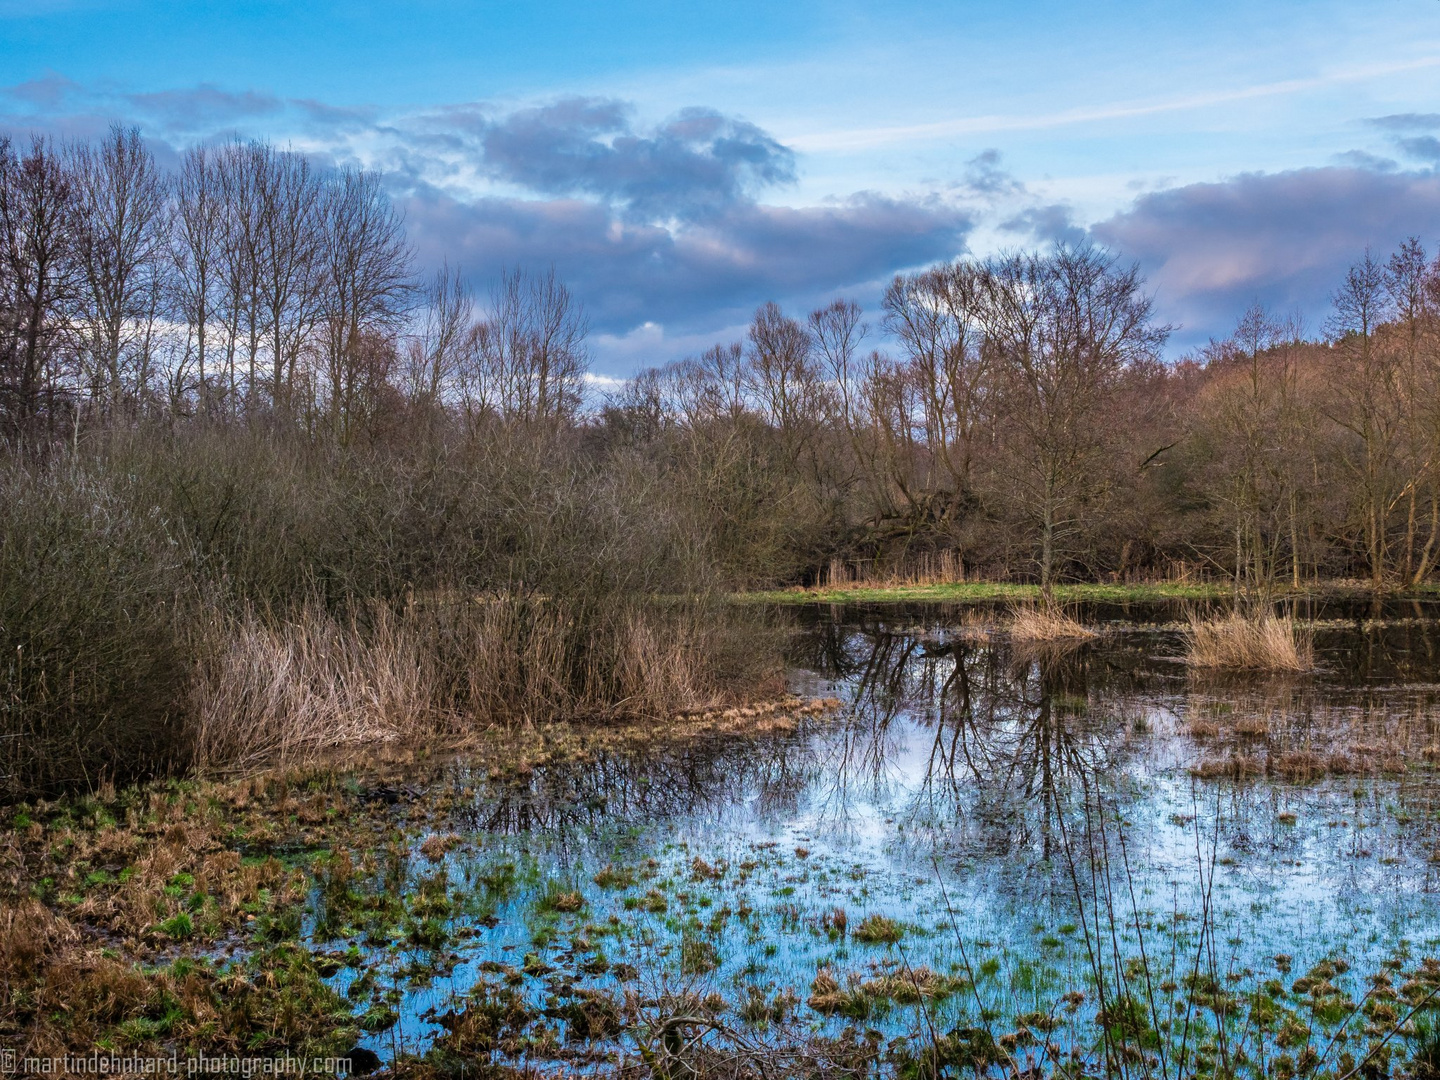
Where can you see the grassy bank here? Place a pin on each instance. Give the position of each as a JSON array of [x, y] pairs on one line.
[[986, 592], [994, 592]]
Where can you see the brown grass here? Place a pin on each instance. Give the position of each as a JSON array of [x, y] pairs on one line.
[[928, 568], [1303, 766], [280, 693], [975, 625], [1028, 623], [272, 692], [1254, 643]]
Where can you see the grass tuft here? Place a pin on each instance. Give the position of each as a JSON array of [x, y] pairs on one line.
[[1249, 643], [1027, 623]]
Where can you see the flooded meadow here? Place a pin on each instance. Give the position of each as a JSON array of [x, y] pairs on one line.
[[972, 855], [946, 852]]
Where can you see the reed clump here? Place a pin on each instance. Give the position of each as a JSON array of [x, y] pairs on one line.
[[1045, 623], [285, 692], [1236, 642]]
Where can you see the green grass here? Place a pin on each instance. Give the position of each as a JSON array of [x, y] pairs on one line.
[[981, 592], [989, 592]]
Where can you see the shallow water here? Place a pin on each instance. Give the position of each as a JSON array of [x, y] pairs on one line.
[[1031, 819]]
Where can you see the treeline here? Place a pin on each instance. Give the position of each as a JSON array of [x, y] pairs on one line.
[[1022, 419], [1016, 413], [266, 488]]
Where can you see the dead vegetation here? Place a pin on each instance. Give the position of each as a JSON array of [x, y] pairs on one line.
[[1284, 735], [1030, 623], [289, 693], [1303, 766], [1235, 642]]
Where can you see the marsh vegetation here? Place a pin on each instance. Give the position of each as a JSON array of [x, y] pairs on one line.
[[372, 685], [955, 853]]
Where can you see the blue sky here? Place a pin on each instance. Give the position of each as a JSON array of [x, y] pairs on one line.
[[681, 162]]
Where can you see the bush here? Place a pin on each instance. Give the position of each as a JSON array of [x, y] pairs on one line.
[[224, 597], [93, 662]]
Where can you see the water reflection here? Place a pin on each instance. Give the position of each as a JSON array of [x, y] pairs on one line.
[[966, 748]]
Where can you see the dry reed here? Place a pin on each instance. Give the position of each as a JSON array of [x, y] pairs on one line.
[[1028, 623], [1249, 643], [283, 692]]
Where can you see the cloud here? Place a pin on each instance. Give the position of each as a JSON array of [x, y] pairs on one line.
[[201, 108], [1407, 122], [956, 127], [985, 176], [696, 164], [1363, 159], [52, 91], [1048, 224], [687, 277], [1422, 148], [1283, 238]]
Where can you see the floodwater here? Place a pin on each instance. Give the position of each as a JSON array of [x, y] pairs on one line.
[[982, 834]]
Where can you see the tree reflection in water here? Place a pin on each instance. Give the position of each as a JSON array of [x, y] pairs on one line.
[[988, 757], [1011, 737]]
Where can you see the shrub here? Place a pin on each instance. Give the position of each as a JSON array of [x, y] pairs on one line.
[[93, 661]]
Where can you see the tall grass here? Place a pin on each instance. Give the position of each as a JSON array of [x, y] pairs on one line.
[[1040, 624], [285, 692], [1263, 642]]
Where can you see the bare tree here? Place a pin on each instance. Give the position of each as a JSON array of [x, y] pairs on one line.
[[288, 244], [784, 379], [439, 353], [939, 318], [365, 287], [197, 234], [1064, 327], [1366, 403], [532, 346], [723, 367], [39, 276], [1409, 289], [120, 242], [239, 172]]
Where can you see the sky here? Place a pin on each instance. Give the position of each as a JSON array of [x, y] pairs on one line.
[[679, 163]]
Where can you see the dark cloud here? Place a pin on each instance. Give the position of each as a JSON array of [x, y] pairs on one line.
[[50, 92], [984, 175], [1363, 159], [202, 108], [696, 164], [690, 276], [1283, 238]]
